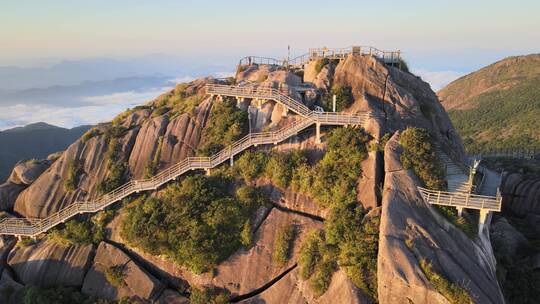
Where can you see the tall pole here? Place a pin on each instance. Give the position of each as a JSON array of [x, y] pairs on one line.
[[334, 103]]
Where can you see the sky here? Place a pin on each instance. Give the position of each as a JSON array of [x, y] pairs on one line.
[[441, 40]]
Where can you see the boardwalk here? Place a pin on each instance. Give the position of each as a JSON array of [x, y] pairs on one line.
[[33, 227]]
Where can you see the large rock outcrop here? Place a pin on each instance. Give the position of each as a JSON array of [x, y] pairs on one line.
[[412, 231], [521, 194], [49, 264], [133, 282], [138, 143]]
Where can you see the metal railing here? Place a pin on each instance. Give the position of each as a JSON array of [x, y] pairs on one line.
[[460, 199], [279, 96], [530, 153], [389, 57], [32, 226]]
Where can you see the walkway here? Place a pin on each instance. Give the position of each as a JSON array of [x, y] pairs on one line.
[[388, 57], [461, 192], [33, 227]]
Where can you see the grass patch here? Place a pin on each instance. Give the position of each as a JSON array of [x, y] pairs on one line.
[[452, 292], [283, 244]]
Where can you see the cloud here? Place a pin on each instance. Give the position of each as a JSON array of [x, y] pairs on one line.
[[438, 79], [97, 109]]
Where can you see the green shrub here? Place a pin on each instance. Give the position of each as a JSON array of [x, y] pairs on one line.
[[402, 65], [59, 295], [251, 165], [281, 166], [338, 172], [466, 222], [310, 253], [117, 169], [115, 275], [74, 169], [452, 292], [209, 296], [25, 241], [226, 124], [246, 236], [344, 98], [73, 233], [197, 223], [320, 64], [89, 134], [160, 111], [322, 278], [152, 165], [357, 240], [183, 105], [317, 261], [282, 244], [419, 155]]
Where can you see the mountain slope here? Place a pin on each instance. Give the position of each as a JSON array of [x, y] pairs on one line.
[[497, 106], [33, 141]]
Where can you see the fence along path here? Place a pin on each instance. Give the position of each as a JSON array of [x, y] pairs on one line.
[[461, 200], [33, 227], [389, 57]]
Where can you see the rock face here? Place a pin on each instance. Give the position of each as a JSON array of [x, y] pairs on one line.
[[406, 219], [27, 172], [521, 194], [10, 289], [134, 283], [48, 264], [508, 238], [23, 174], [138, 144]]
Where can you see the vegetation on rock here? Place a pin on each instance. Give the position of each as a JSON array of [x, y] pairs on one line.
[[82, 232], [153, 164], [117, 167], [283, 243], [115, 275], [225, 125], [74, 169], [452, 292], [344, 98], [197, 222], [59, 295], [208, 296], [419, 155]]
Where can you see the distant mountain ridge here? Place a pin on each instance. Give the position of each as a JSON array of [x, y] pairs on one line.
[[35, 140], [498, 106]]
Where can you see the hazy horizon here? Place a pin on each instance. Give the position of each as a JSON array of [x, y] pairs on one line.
[[69, 63]]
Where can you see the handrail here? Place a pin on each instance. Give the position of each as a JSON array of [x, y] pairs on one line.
[[525, 153], [33, 226], [461, 199], [392, 57]]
